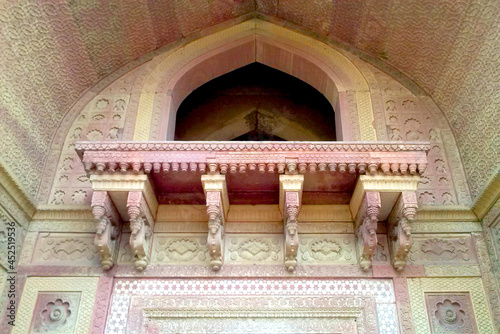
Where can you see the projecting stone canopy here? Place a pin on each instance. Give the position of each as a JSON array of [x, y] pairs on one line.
[[378, 181]]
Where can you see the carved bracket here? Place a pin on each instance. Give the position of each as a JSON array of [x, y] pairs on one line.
[[107, 229], [290, 201], [217, 208], [366, 227], [215, 229], [399, 228], [141, 228]]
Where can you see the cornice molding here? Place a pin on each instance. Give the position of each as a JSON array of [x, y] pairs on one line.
[[20, 197], [488, 198]]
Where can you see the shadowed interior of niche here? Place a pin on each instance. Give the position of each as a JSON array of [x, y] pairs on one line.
[[256, 103]]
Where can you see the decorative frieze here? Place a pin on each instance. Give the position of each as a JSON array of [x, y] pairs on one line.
[[65, 249], [327, 249], [442, 249], [180, 249], [362, 157], [254, 248]]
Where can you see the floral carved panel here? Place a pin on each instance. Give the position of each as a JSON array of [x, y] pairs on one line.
[[180, 249], [447, 304], [450, 313], [65, 248], [55, 312], [327, 248], [254, 248], [438, 249]]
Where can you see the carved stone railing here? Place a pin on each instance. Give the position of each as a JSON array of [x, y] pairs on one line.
[[290, 157]]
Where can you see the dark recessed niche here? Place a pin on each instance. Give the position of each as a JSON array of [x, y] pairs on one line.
[[257, 103]]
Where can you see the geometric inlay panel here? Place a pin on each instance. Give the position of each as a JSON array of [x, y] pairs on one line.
[[253, 305], [449, 305]]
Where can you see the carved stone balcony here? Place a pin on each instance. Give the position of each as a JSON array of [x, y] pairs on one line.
[[377, 180]]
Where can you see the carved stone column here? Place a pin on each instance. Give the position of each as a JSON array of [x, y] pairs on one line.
[[107, 229], [217, 207], [399, 228], [141, 228], [290, 202], [366, 227]]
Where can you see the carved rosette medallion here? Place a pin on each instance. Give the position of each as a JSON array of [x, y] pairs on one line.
[[451, 313]]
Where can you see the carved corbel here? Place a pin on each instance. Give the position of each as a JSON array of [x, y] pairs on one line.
[[107, 229], [366, 228], [290, 201], [141, 227], [215, 229], [399, 228], [217, 200]]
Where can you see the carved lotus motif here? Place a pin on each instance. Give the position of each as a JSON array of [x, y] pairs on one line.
[[55, 315], [324, 250], [254, 249], [450, 314], [437, 246]]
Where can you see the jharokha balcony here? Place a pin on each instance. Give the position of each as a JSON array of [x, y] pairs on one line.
[[131, 179]]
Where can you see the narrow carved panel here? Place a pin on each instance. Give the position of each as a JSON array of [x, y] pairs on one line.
[[382, 250], [437, 249], [254, 248], [327, 249], [65, 249], [180, 249], [125, 254]]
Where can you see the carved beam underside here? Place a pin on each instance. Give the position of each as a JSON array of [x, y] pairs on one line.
[[217, 206], [366, 227], [390, 158], [290, 201], [107, 229], [141, 228], [399, 228]]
